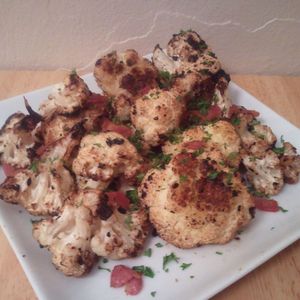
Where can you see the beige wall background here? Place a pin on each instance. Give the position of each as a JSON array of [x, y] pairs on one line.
[[258, 36]]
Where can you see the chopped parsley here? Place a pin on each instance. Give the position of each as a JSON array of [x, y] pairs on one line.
[[232, 155], [168, 259], [136, 140], [34, 166], [201, 105], [140, 177], [175, 136], [279, 150], [219, 253], [229, 178], [282, 209], [133, 196], [213, 175], [104, 260], [153, 294], [198, 152], [128, 221], [159, 245], [207, 136], [160, 160], [147, 271], [210, 53], [185, 266], [148, 252], [165, 79], [236, 121], [183, 178]]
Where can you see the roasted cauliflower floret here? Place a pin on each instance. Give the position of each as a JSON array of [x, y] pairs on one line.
[[43, 188], [196, 201], [124, 76], [119, 233], [220, 135], [156, 113], [264, 172], [16, 141], [67, 97], [290, 163], [106, 155], [68, 238], [186, 52]]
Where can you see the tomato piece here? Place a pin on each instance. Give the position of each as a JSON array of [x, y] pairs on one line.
[[96, 99], [235, 109], [214, 112], [120, 275], [107, 125], [265, 204], [134, 286], [119, 198], [194, 145], [9, 170]]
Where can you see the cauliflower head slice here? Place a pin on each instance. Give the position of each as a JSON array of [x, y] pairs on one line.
[[196, 201], [290, 163], [157, 113], [68, 238], [16, 142], [119, 233], [106, 155], [66, 97], [264, 172], [220, 135]]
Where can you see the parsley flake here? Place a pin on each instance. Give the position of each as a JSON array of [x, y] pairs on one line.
[[236, 121], [148, 252], [153, 294], [219, 253], [169, 258], [34, 166], [183, 178], [128, 221], [283, 209], [213, 175], [159, 245], [133, 196], [136, 140], [106, 269], [147, 271], [185, 266]]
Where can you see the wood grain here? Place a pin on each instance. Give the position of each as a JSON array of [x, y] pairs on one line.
[[276, 279]]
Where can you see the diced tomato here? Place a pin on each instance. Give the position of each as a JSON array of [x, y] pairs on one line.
[[214, 112], [107, 125], [235, 109], [121, 275], [134, 286], [96, 99], [145, 90], [9, 170], [119, 198], [194, 145], [266, 204]]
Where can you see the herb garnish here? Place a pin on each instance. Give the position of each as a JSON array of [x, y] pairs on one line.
[[140, 177], [175, 136], [169, 258], [133, 196], [232, 155], [34, 166], [282, 209], [160, 160], [182, 178], [147, 271], [185, 266], [219, 253], [159, 245], [128, 221], [165, 79], [136, 140], [148, 252], [213, 175], [153, 293], [236, 121]]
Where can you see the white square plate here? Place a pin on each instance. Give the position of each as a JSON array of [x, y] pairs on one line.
[[268, 234]]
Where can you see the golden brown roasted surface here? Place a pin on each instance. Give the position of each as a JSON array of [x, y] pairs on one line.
[[196, 201]]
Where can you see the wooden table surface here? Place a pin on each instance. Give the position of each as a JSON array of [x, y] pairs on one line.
[[278, 278]]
